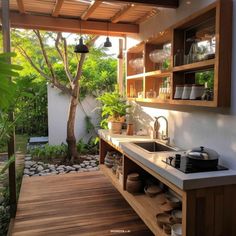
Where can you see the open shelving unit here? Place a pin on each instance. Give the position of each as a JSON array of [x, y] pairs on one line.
[[212, 24], [145, 207]]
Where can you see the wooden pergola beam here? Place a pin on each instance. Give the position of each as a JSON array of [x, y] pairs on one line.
[[70, 25], [93, 6], [21, 6], [57, 8], [156, 3], [116, 18]]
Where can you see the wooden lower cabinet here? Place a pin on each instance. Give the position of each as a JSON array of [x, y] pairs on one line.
[[206, 212], [211, 211]]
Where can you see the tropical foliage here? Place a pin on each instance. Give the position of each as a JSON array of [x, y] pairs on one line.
[[114, 107]]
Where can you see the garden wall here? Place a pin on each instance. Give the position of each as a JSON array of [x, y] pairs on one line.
[[58, 105]]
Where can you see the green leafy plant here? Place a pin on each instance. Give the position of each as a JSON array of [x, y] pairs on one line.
[[206, 77], [7, 87], [5, 198], [49, 152], [114, 107], [91, 147]]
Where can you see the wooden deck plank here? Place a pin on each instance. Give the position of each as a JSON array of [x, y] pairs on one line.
[[84, 204]]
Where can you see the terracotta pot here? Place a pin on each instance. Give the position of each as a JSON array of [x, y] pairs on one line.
[[134, 184], [115, 127]]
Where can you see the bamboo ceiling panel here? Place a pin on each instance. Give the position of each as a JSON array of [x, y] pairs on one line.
[[106, 11], [76, 8], [13, 5], [136, 13], [39, 6], [73, 8]]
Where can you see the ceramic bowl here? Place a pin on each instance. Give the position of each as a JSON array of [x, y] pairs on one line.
[[164, 218], [176, 230], [172, 200], [152, 190], [177, 216]]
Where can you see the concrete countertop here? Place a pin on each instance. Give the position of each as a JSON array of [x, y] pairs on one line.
[[155, 163]]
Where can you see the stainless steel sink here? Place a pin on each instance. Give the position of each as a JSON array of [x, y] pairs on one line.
[[154, 146]]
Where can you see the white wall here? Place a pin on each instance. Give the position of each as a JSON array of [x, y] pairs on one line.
[[191, 127], [58, 105]]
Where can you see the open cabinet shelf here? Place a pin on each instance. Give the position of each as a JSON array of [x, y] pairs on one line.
[[201, 65], [144, 206], [200, 53]]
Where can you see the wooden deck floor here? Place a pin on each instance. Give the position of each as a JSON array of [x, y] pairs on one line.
[[84, 204]]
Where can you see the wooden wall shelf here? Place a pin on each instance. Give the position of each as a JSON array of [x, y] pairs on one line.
[[138, 76], [201, 65], [214, 20], [158, 74]]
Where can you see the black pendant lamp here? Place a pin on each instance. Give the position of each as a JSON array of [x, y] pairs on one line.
[[81, 47], [107, 43]]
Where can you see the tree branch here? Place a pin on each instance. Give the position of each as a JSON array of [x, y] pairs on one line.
[[64, 57], [56, 83], [45, 54], [25, 55]]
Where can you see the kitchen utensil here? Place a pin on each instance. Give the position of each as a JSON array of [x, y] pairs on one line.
[[152, 190], [177, 216], [166, 207], [202, 157], [130, 129], [163, 218], [140, 94], [151, 94], [178, 91], [167, 228], [173, 201], [196, 92], [178, 58], [133, 183], [187, 91], [176, 230]]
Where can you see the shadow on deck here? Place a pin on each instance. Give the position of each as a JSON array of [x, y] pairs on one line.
[[84, 204]]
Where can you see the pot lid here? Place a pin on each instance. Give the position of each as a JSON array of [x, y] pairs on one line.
[[202, 153]]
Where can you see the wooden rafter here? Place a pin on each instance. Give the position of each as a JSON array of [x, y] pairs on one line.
[[94, 5], [57, 8], [21, 6], [70, 25], [152, 13], [116, 18], [156, 3]]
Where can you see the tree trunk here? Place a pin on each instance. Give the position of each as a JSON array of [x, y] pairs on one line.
[[71, 140]]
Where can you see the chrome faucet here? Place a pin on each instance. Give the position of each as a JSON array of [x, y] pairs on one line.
[[156, 133]]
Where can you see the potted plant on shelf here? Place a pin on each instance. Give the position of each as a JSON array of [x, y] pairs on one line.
[[114, 108]]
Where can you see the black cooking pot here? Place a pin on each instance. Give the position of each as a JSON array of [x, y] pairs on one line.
[[203, 158]]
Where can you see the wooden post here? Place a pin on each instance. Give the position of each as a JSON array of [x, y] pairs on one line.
[[120, 67], [11, 142]]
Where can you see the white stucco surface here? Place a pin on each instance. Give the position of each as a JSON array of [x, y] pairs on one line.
[[58, 105], [191, 126]]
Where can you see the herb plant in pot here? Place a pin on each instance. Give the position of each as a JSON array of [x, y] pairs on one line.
[[114, 109]]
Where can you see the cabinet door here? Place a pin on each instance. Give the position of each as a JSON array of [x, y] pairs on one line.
[[211, 212]]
